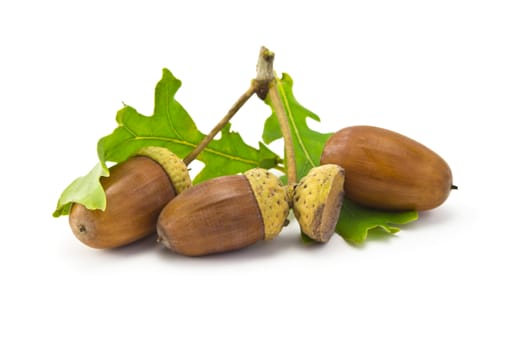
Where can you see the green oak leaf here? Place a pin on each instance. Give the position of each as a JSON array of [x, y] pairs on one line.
[[86, 190], [354, 221], [230, 155], [308, 144], [171, 127]]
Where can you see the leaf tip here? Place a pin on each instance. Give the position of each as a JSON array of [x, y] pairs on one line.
[[287, 78], [62, 209], [167, 75]]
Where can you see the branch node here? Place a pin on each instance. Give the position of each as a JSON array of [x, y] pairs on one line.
[[264, 72]]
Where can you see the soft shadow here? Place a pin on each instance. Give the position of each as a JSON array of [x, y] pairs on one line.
[[438, 216], [431, 218], [426, 219], [282, 244], [142, 246]]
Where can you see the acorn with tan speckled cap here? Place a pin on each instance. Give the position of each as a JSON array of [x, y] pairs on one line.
[[317, 201], [225, 213], [136, 191]]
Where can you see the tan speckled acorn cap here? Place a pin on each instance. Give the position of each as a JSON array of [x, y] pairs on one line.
[[172, 165], [317, 201], [272, 199]]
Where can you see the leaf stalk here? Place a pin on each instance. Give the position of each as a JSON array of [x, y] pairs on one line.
[[266, 76], [289, 153]]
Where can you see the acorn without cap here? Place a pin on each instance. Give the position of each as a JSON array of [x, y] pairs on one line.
[[225, 213], [387, 170], [317, 201], [136, 191]]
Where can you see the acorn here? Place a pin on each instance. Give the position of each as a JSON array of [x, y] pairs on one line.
[[317, 201], [387, 170], [136, 191], [224, 214]]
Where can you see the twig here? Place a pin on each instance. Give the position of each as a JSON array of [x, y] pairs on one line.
[[258, 86], [233, 110], [266, 58]]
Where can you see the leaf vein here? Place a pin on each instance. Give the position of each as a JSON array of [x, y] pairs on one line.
[[193, 145], [289, 113]]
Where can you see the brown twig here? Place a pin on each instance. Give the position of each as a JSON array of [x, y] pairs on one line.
[[271, 89], [258, 86], [233, 110]]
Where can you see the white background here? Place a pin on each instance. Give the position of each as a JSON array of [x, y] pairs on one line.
[[450, 74]]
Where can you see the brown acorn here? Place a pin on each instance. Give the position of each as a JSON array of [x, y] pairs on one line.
[[136, 191], [317, 201], [387, 170], [225, 213]]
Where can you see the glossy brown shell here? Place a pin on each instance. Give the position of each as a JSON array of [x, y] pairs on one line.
[[386, 170], [136, 192], [215, 216]]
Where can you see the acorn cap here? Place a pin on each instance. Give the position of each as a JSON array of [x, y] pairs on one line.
[[172, 165], [317, 201], [272, 198]]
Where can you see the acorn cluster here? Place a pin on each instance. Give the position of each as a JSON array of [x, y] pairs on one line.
[[152, 193]]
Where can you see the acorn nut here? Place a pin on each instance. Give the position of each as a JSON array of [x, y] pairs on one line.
[[317, 201], [225, 213], [136, 191], [386, 170]]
